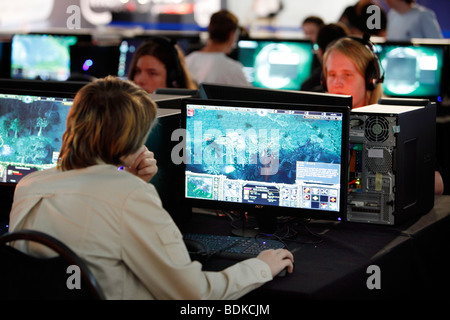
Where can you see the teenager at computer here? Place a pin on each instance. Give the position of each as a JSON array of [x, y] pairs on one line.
[[159, 63], [211, 63], [350, 67], [112, 218]]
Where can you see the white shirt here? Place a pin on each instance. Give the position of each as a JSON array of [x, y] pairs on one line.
[[215, 67], [418, 22], [115, 222]]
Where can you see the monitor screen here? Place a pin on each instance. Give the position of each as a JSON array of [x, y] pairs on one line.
[[41, 56], [411, 70], [287, 158], [96, 61], [276, 64], [31, 129], [127, 48]]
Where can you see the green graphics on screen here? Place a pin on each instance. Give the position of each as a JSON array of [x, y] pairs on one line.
[[276, 64], [411, 70]]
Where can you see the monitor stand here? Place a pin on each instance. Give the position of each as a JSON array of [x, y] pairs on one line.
[[266, 224]]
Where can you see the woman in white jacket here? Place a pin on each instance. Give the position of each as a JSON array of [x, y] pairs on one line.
[[113, 218]]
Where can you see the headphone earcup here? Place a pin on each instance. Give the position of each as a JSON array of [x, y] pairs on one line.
[[175, 75], [374, 75]]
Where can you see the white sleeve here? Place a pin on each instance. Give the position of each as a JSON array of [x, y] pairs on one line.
[[154, 250]]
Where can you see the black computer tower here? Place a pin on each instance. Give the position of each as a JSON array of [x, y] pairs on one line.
[[392, 163]]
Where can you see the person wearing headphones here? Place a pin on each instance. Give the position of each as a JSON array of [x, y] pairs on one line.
[[351, 67], [212, 63], [159, 63]]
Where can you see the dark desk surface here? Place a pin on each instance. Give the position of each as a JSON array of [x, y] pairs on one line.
[[412, 258]]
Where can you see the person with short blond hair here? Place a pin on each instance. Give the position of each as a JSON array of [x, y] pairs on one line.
[[98, 202]]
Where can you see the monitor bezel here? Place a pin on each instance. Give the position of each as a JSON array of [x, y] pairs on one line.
[[267, 210], [224, 92]]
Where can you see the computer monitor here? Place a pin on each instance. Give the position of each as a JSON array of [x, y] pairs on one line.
[[31, 129], [266, 158], [41, 56], [38, 87], [228, 92], [5, 59], [412, 70], [127, 48], [276, 63], [93, 60]]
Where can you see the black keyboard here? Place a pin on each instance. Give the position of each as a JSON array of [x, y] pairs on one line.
[[233, 247]]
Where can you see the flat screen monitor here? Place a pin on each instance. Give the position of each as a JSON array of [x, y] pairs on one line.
[[96, 61], [5, 59], [412, 70], [275, 63], [31, 129], [274, 158], [41, 56], [127, 48], [228, 92]]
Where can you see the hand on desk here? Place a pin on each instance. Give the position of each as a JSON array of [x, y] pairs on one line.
[[278, 260], [142, 164]]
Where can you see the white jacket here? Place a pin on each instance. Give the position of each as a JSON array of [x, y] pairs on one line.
[[116, 223]]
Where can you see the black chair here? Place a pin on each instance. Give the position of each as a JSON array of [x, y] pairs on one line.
[[24, 277]]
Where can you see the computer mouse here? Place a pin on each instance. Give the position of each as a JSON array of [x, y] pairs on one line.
[[197, 250], [282, 273]]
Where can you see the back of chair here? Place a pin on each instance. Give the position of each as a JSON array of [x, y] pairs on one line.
[[23, 276]]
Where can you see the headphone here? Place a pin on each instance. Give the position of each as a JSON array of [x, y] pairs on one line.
[[175, 74], [374, 72]]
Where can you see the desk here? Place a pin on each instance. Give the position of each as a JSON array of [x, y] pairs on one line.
[[412, 259]]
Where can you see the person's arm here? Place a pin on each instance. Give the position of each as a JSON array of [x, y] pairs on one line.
[[430, 25], [154, 251], [142, 164]]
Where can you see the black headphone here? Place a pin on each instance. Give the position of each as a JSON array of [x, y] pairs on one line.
[[374, 71], [175, 74]]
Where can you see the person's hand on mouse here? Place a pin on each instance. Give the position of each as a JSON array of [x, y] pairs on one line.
[[278, 260], [142, 164]]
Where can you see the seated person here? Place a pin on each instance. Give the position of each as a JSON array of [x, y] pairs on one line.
[[211, 63], [350, 67], [159, 63], [327, 34], [364, 18], [311, 26], [111, 217], [407, 20]]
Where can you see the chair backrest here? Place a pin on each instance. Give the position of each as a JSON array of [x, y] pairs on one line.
[[23, 276]]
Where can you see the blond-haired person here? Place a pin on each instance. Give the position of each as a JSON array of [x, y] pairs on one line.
[[112, 218], [350, 67]]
